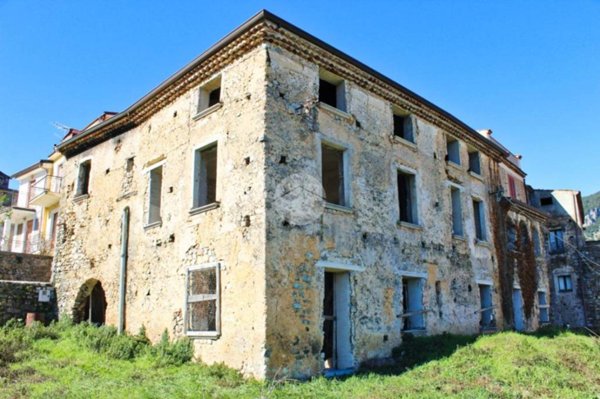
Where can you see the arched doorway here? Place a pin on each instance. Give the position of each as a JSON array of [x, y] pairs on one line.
[[90, 304]]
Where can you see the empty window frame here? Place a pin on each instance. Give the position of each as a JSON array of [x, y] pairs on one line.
[[407, 197], [457, 222], [543, 307], [83, 178], [556, 241], [546, 201], [564, 283], [487, 306], [154, 194], [332, 90], [479, 220], [512, 187], [475, 162], [210, 94], [452, 150], [203, 300], [403, 127], [412, 303], [205, 176], [332, 174]]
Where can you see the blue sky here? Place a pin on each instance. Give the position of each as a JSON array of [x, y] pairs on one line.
[[530, 71]]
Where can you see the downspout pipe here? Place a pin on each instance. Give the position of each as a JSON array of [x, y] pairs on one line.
[[123, 272]]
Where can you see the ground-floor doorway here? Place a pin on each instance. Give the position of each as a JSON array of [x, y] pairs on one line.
[[518, 310], [337, 350], [90, 304]]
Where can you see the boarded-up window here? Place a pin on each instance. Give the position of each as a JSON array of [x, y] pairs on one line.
[[457, 223], [479, 219], [154, 194], [83, 179], [453, 150], [512, 187], [332, 169], [205, 176], [407, 197], [203, 299]]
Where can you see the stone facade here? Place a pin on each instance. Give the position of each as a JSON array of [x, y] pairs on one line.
[[294, 274], [25, 267]]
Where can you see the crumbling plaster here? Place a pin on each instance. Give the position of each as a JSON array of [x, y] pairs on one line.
[[366, 233], [88, 245]]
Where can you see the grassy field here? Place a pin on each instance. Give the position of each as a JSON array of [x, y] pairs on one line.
[[64, 361]]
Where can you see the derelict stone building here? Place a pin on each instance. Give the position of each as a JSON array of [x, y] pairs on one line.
[[291, 210]]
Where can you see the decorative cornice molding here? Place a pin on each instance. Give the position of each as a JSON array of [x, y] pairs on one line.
[[268, 28]]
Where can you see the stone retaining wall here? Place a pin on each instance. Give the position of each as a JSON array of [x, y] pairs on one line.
[[17, 298], [25, 267]]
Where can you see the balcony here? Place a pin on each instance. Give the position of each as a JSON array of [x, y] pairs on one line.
[[30, 244], [45, 192]]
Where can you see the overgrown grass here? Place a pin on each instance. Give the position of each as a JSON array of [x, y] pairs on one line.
[[82, 361]]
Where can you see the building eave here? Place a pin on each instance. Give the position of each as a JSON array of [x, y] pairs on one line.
[[31, 168], [264, 27], [528, 210]]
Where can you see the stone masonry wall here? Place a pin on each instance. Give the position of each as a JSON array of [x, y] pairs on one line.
[[25, 267], [305, 236], [19, 298], [591, 284], [231, 233]]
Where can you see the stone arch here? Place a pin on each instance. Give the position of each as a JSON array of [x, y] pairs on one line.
[[90, 304]]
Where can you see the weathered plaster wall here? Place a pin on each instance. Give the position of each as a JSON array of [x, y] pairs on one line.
[[88, 245], [25, 267], [366, 233]]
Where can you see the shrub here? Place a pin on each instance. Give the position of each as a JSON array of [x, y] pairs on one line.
[[13, 341], [105, 340], [172, 353]]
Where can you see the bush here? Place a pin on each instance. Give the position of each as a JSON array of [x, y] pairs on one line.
[[172, 353], [105, 340], [13, 341]]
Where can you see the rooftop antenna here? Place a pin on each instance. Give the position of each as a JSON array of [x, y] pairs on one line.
[[60, 126]]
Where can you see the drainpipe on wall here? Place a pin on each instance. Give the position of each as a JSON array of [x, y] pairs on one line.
[[123, 274]]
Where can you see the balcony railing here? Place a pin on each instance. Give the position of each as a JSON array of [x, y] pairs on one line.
[[45, 191], [32, 245]]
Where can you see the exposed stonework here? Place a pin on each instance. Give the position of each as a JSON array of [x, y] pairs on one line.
[[591, 284], [88, 243], [282, 255], [17, 298], [25, 267]]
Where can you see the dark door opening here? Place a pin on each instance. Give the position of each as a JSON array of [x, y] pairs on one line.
[[329, 322], [337, 348], [90, 305]]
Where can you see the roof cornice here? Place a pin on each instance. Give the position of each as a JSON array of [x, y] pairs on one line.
[[265, 27]]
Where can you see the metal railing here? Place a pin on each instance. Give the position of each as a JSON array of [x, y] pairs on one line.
[[33, 245], [47, 184]]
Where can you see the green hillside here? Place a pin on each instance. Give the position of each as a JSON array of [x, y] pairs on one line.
[[65, 361], [591, 202]]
